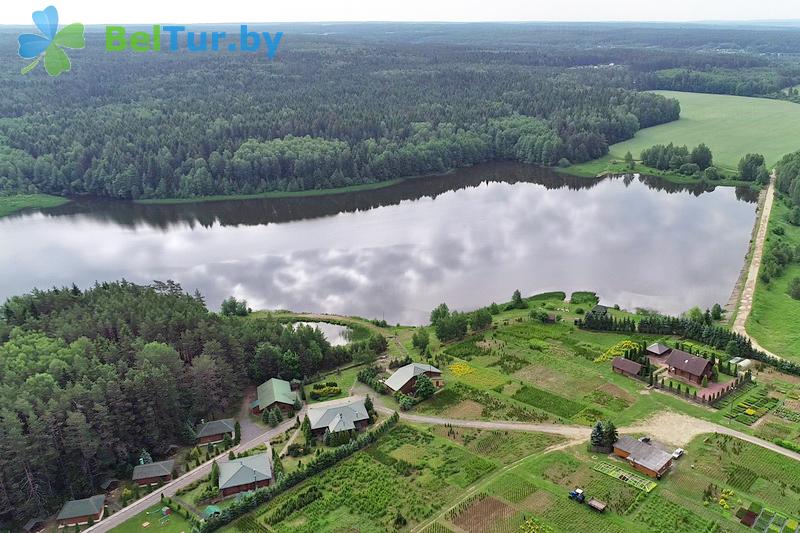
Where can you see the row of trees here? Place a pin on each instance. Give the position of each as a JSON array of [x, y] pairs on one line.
[[89, 379], [678, 158]]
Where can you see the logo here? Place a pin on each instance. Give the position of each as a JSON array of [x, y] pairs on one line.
[[51, 43]]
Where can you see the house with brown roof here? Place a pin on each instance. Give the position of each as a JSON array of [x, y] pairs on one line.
[[83, 511], [626, 367], [643, 456], [152, 473], [689, 366]]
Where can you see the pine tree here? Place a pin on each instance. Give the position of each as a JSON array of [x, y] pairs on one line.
[[237, 433], [610, 434], [598, 438]]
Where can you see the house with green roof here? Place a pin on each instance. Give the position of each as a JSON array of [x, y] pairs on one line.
[[245, 473], [274, 393], [77, 512]]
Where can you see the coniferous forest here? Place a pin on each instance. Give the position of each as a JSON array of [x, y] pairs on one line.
[[361, 104], [90, 379]]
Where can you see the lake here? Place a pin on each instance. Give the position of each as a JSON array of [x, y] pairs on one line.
[[466, 238], [334, 333]]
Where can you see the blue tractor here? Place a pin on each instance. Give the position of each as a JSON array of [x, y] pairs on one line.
[[577, 495]]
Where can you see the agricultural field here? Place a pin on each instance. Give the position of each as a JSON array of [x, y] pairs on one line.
[[729, 477], [410, 473], [775, 314], [730, 125]]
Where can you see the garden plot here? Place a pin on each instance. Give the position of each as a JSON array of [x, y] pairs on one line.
[[769, 521], [752, 407], [409, 473], [663, 516]]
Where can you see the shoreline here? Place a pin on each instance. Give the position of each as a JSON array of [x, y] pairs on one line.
[[589, 170]]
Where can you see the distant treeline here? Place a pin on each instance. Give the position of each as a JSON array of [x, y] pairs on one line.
[[361, 104]]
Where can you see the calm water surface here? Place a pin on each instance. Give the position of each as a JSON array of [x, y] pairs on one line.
[[334, 333], [467, 238]]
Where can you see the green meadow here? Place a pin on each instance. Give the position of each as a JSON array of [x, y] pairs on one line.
[[775, 315], [731, 126], [17, 202]]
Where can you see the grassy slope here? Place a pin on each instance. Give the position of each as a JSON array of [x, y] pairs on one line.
[[775, 315], [730, 125], [11, 204]]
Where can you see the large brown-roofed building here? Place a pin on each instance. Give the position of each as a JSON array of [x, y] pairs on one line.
[[643, 456], [689, 366], [626, 367]]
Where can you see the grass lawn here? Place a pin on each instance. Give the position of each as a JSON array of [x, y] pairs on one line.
[[344, 380], [175, 524], [775, 315], [11, 204]]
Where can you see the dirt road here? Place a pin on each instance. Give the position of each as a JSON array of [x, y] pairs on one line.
[[746, 301]]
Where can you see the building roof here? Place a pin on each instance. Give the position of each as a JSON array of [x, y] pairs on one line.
[[599, 309], [275, 390], [338, 415], [85, 507], [658, 348], [244, 471], [643, 454], [626, 365], [216, 427], [687, 362], [162, 468], [403, 374]]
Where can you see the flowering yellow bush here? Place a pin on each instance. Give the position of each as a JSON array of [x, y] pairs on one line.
[[618, 350], [461, 369]]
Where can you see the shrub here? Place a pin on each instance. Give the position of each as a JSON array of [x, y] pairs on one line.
[[794, 288]]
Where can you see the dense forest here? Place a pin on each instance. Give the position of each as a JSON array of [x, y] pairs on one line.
[[361, 104], [90, 379], [357, 106]]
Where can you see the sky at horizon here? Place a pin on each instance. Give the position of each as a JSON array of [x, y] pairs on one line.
[[232, 11]]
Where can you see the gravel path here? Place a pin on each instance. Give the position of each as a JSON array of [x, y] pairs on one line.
[[746, 302]]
